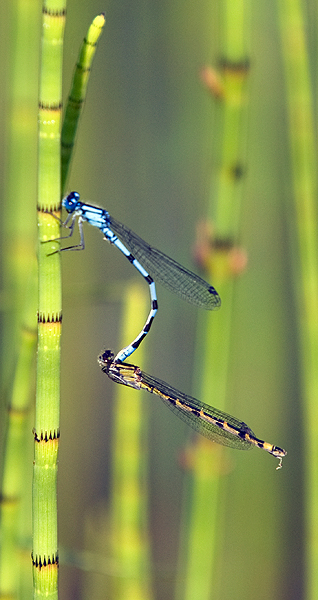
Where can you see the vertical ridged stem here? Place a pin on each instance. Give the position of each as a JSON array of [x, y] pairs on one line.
[[215, 328], [304, 165], [46, 430]]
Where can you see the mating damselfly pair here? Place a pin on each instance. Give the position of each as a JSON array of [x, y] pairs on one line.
[[153, 265]]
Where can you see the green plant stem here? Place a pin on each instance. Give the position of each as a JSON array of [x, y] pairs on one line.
[[129, 496], [77, 95], [19, 284], [19, 232], [304, 165], [215, 329], [14, 487], [46, 430]]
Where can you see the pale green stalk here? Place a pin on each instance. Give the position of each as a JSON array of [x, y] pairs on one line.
[[46, 430], [129, 502], [304, 165]]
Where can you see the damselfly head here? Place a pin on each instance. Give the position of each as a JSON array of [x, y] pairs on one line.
[[105, 360], [71, 201]]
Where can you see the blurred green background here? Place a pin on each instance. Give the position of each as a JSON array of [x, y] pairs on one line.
[[145, 152]]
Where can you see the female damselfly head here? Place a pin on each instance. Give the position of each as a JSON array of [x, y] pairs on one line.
[[105, 359]]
